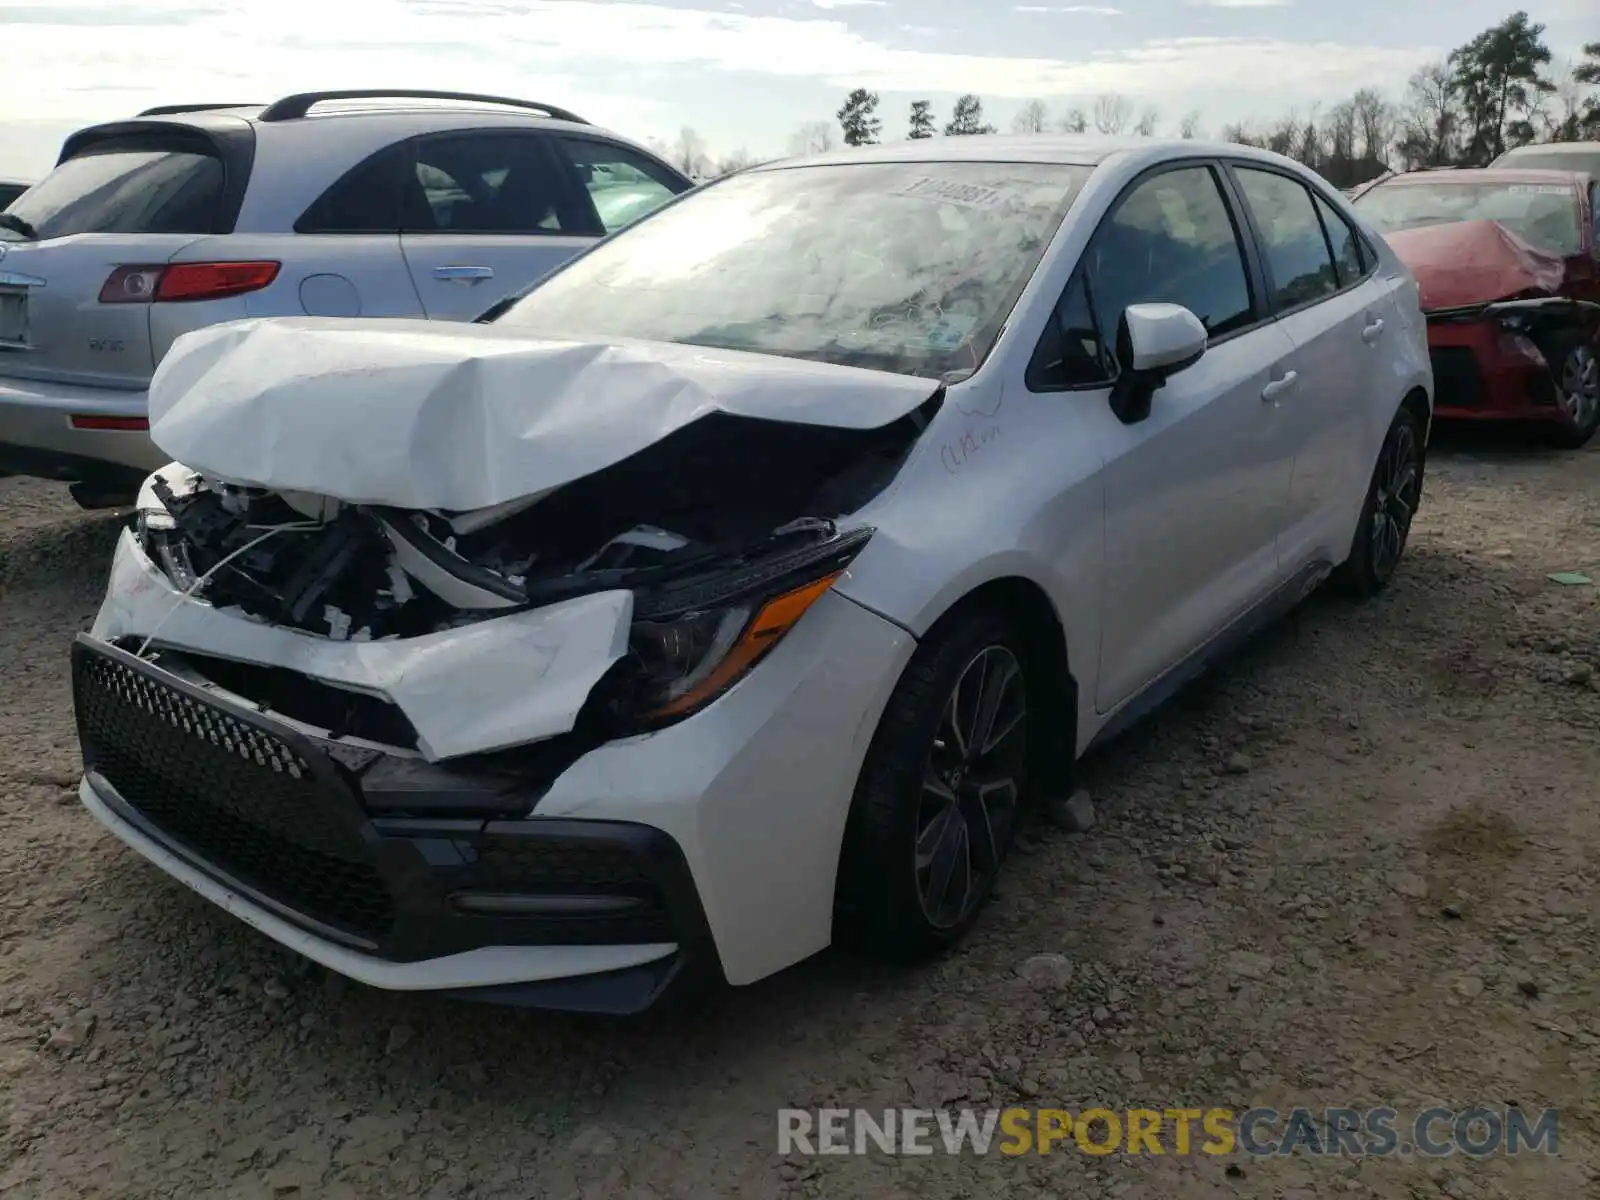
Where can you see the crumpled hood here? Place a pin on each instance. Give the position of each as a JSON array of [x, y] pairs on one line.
[[426, 415], [1474, 262]]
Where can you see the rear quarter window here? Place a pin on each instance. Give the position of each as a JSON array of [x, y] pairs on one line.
[[130, 188]]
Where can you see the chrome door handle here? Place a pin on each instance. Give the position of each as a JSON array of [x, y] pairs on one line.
[[1372, 332], [463, 275], [1278, 387]]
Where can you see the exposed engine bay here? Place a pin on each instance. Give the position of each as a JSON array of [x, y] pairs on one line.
[[722, 494], [702, 528]]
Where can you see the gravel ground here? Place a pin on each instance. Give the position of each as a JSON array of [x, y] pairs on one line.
[[1355, 868]]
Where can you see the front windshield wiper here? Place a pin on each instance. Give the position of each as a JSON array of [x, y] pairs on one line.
[[17, 225]]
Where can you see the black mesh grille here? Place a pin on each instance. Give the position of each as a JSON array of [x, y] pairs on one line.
[[232, 793], [546, 866], [1457, 379]]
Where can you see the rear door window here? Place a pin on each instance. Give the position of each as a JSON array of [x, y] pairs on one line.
[[489, 183], [622, 185], [366, 199], [1291, 237], [129, 189], [1347, 253]]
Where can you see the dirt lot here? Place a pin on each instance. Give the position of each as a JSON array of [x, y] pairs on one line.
[[1357, 869]]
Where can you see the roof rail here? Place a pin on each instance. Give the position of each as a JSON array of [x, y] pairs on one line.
[[172, 110], [292, 108]]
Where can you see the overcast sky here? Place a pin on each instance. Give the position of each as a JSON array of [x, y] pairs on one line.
[[744, 73]]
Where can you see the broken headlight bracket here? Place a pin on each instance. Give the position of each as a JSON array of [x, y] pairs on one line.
[[693, 640]]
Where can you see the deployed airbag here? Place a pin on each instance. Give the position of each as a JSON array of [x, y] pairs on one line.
[[415, 415]]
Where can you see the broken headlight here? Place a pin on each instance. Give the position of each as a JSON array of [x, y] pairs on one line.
[[693, 642]]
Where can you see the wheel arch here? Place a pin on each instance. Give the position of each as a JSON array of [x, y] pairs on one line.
[[1026, 604]]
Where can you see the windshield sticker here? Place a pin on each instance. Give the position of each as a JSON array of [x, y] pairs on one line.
[[1539, 189], [951, 330], [963, 195]]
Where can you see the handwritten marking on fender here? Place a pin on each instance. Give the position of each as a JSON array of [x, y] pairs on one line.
[[958, 453]]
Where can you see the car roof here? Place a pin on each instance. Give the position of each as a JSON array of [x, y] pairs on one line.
[[295, 158], [1574, 148], [1488, 175], [440, 115], [1064, 149]]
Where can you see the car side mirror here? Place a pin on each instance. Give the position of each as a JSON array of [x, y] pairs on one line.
[[1154, 342]]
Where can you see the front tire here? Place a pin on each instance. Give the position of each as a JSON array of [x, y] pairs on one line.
[[939, 795], [1390, 506], [1578, 395]]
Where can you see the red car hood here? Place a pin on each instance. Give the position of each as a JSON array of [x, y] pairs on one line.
[[1475, 262]]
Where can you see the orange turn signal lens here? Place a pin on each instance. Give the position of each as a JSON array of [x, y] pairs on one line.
[[772, 620]]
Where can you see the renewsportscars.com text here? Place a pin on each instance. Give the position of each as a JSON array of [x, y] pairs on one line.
[[1475, 1132]]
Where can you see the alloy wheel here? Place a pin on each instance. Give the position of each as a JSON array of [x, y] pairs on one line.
[[972, 782], [1399, 479], [1579, 394]]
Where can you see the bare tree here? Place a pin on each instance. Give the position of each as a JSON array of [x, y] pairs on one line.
[[1284, 134], [1242, 133], [689, 153], [739, 160], [1562, 114], [1148, 121], [1375, 118], [1189, 124], [1112, 113], [1032, 118], [1432, 117], [1339, 131], [1308, 147], [1075, 121], [814, 137]]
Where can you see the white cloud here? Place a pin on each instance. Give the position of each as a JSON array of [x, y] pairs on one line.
[[1069, 8], [850, 3], [1239, 3], [62, 59]]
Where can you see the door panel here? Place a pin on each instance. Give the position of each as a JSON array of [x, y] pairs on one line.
[[459, 276], [1334, 313], [1194, 502], [1196, 493], [484, 215]]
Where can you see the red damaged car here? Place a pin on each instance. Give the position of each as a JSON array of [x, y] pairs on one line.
[[1508, 262]]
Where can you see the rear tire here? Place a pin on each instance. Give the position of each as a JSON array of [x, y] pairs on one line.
[[1386, 514], [940, 792], [1578, 394]]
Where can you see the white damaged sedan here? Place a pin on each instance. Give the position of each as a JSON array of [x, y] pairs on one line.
[[736, 589]]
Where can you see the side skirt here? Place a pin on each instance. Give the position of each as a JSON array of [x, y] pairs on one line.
[[1276, 605]]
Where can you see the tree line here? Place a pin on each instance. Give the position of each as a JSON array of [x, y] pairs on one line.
[[1495, 92]]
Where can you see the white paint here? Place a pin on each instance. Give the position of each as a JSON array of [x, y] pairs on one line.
[[497, 683], [419, 414]]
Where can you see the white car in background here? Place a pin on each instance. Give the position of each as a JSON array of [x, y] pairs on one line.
[[363, 203], [736, 589]]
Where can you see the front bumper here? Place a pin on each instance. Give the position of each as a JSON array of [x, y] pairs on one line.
[[754, 790], [37, 436], [1483, 373], [273, 825]]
